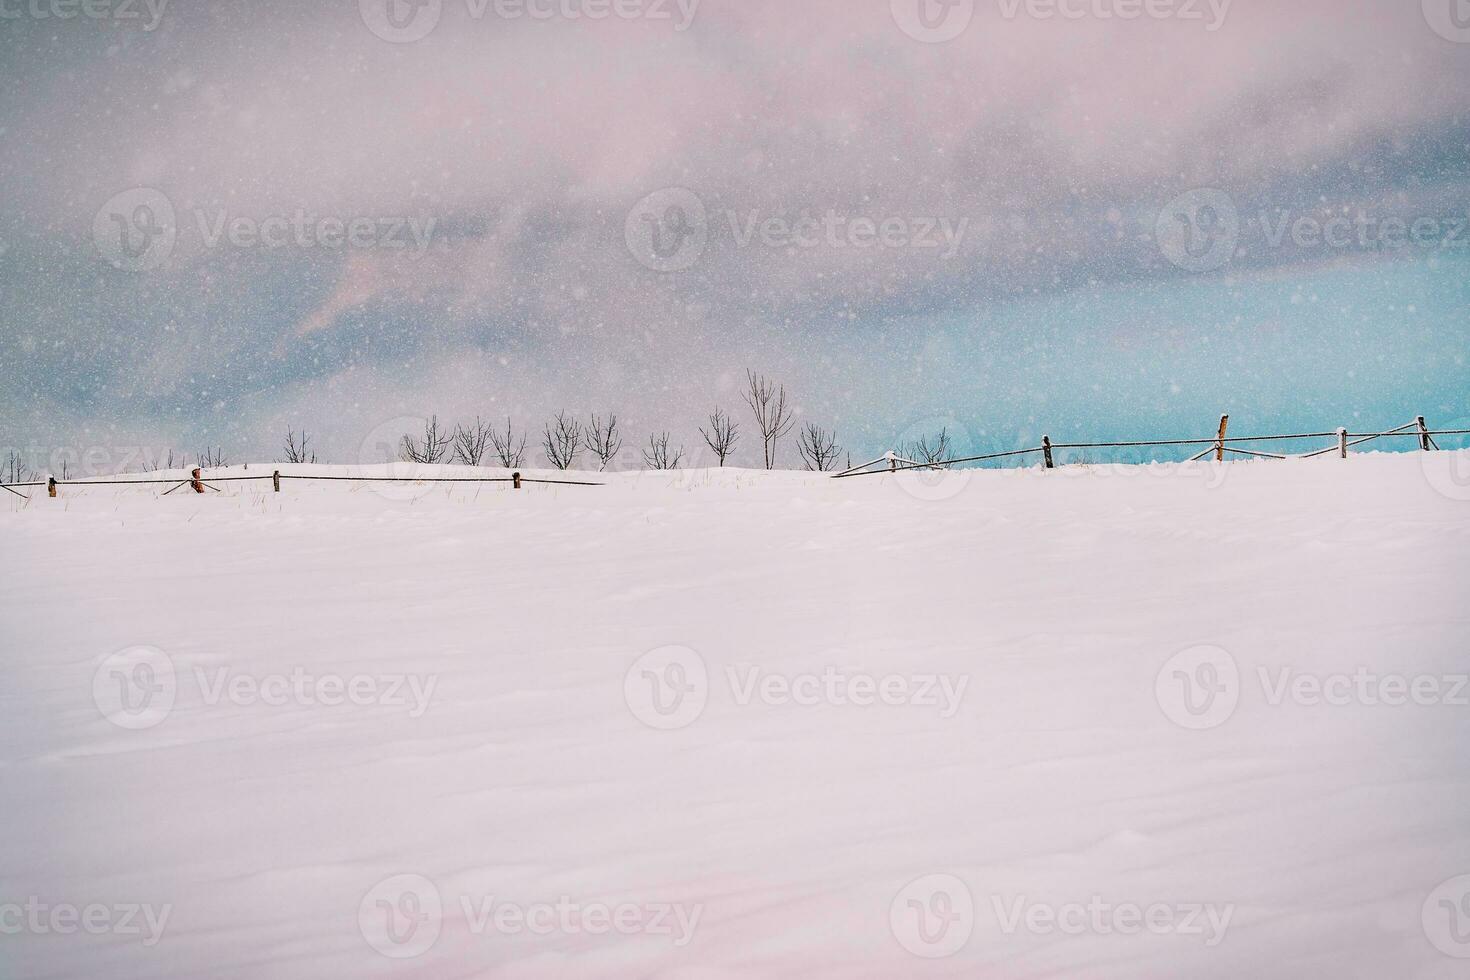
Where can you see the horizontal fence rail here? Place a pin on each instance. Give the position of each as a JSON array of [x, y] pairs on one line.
[[198, 482], [890, 462], [1219, 445]]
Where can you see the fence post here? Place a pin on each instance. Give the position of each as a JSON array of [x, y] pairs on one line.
[[516, 478], [1046, 451], [1423, 434], [1342, 437], [1220, 442], [276, 480], [195, 481], [50, 486], [892, 461]]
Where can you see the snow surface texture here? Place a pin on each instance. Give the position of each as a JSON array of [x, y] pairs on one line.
[[609, 732]]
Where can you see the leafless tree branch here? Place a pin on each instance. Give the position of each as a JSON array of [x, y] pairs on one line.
[[772, 413], [472, 443], [722, 434], [604, 439], [658, 456], [298, 447], [563, 441], [818, 448], [432, 448], [510, 452]]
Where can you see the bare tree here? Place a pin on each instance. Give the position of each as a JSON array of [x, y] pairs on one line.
[[722, 434], [298, 448], [818, 448], [472, 443], [604, 439], [930, 451], [158, 463], [562, 441], [510, 453], [432, 448], [213, 459], [772, 413], [14, 469], [658, 456]]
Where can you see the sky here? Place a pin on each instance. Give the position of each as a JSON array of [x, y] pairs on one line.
[[1095, 219]]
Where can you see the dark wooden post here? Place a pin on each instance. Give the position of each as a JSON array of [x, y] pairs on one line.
[[50, 486], [1220, 442], [1342, 442], [1423, 434], [516, 478], [1046, 452], [196, 482], [276, 480]]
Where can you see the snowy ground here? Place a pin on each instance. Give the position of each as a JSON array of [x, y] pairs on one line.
[[1125, 722]]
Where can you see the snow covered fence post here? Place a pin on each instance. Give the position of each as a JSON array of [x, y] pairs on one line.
[[1046, 451], [276, 480], [892, 461], [1342, 442], [1220, 441], [195, 481], [50, 486], [516, 479], [1423, 434]]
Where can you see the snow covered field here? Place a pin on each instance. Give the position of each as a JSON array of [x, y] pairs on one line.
[[1124, 722]]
